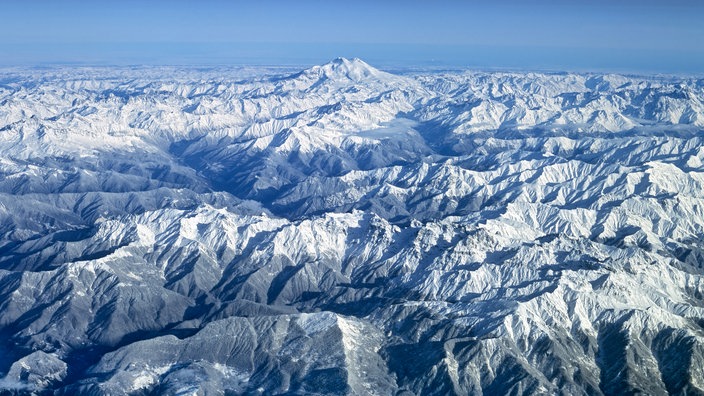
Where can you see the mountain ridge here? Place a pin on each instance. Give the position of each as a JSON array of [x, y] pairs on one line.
[[343, 230]]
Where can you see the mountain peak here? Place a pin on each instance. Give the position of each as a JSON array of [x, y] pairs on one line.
[[354, 69], [348, 62]]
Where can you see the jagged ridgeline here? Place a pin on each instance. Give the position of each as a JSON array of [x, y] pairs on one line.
[[345, 230]]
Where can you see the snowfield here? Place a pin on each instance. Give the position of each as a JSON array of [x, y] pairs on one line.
[[344, 230]]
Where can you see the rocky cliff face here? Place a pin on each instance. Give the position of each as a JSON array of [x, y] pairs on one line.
[[343, 230]]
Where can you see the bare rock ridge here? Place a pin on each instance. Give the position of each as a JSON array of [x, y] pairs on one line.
[[344, 230]]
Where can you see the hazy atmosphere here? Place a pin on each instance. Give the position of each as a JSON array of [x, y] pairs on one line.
[[624, 36]]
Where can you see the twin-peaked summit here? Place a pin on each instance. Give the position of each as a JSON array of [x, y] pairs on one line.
[[353, 69]]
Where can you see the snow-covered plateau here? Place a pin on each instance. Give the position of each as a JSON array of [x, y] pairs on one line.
[[344, 230]]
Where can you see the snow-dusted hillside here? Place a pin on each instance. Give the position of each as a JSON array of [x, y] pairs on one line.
[[343, 230]]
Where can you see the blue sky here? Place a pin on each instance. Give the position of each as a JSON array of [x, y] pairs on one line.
[[631, 36]]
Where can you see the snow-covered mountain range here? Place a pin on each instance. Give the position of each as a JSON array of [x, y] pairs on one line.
[[344, 230]]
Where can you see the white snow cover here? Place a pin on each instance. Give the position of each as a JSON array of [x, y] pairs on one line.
[[344, 230]]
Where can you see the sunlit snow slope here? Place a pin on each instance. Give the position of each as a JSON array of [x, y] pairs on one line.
[[343, 230]]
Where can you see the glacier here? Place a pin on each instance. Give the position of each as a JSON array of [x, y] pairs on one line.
[[346, 230]]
